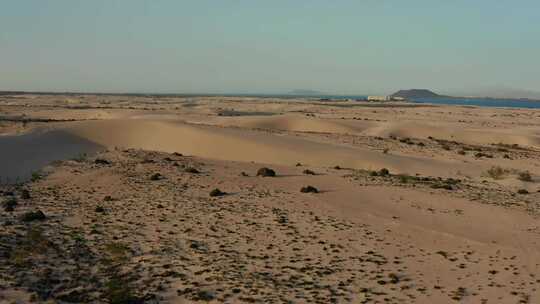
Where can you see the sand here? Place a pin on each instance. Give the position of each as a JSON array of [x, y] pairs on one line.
[[126, 219]]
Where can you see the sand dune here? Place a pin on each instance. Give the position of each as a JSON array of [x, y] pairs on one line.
[[411, 129], [448, 131], [294, 123], [24, 154], [244, 145]]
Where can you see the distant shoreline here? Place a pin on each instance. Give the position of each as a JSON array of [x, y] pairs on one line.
[[284, 96]]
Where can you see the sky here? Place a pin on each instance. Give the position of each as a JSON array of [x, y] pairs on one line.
[[252, 46]]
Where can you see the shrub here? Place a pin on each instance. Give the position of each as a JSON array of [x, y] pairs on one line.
[[101, 161], [266, 172], [9, 204], [308, 172], [99, 209], [156, 176], [523, 191], [384, 172], [309, 189], [31, 216], [525, 176], [496, 172], [192, 170], [25, 194], [217, 192]]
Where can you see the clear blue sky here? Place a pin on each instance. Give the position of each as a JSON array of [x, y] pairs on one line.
[[241, 46]]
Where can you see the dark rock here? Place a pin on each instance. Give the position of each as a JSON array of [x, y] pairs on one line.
[[308, 172]]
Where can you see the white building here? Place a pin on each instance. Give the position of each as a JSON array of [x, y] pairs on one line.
[[378, 98]]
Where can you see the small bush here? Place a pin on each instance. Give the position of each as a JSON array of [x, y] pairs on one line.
[[100, 209], [496, 172], [266, 172], [525, 176], [384, 172], [309, 189], [31, 216], [308, 172], [217, 192], [523, 191], [9, 204], [101, 161], [156, 176], [192, 170], [25, 194], [35, 176]]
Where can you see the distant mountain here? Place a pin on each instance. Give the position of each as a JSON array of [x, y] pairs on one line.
[[305, 93], [416, 93]]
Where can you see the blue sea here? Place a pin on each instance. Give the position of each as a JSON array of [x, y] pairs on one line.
[[483, 102], [480, 102]]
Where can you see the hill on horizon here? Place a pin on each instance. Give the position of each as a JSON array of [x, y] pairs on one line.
[[416, 93]]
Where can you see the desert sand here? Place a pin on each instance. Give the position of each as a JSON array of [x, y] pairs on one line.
[[109, 199]]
